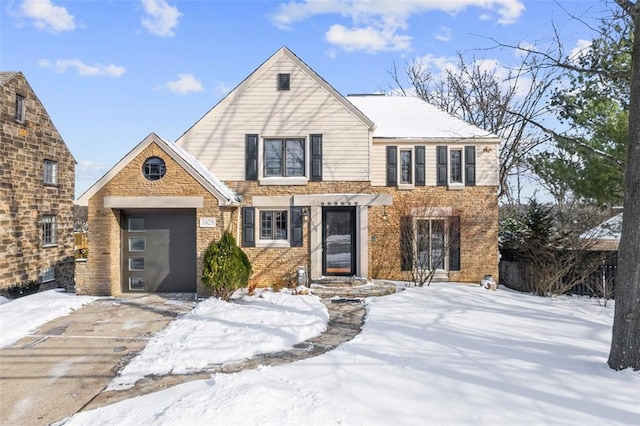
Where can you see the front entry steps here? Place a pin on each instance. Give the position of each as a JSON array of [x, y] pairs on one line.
[[350, 288]]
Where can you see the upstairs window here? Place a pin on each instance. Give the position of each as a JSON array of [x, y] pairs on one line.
[[405, 166], [284, 81], [273, 225], [50, 172], [284, 157], [49, 230], [456, 166], [20, 108]]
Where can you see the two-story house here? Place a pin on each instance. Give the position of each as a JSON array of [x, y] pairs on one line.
[[37, 174], [304, 177]]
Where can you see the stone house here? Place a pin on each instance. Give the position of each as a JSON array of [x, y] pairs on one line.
[[37, 173], [306, 179]]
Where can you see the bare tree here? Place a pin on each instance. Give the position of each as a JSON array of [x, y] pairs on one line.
[[500, 101], [427, 237]]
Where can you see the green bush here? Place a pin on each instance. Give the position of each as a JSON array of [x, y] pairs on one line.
[[226, 267]]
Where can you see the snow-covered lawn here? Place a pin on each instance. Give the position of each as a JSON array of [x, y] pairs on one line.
[[22, 316], [446, 354], [216, 332]]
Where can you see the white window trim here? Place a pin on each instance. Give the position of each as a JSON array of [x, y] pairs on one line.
[[284, 180], [406, 185], [266, 243], [452, 184], [54, 230], [447, 224]]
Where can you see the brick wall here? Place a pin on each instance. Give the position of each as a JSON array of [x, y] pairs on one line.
[[24, 198], [477, 208]]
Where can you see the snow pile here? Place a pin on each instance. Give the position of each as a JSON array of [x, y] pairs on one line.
[[22, 316], [444, 354], [216, 332]]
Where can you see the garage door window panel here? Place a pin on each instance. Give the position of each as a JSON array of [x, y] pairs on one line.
[[136, 264]]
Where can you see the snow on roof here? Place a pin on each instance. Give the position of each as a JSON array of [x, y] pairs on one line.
[[610, 229], [411, 117]]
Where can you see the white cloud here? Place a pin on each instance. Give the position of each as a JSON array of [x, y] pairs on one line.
[[222, 88], [184, 84], [444, 34], [161, 19], [368, 39], [61, 65], [582, 48], [376, 23], [90, 171], [47, 16]]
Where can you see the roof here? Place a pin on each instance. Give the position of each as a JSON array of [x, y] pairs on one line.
[[411, 117], [5, 76], [225, 195], [610, 229]]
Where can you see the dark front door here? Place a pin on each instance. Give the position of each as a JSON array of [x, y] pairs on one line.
[[159, 251], [339, 241]]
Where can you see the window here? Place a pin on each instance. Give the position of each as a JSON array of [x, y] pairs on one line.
[[154, 168], [136, 283], [20, 108], [49, 230], [284, 157], [430, 244], [50, 173], [284, 81], [136, 264], [137, 244], [136, 224], [456, 165], [273, 225], [48, 275], [405, 166]]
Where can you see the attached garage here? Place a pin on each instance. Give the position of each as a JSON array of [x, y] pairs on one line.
[[151, 218], [159, 251]]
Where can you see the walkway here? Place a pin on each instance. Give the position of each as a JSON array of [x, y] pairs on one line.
[[346, 317]]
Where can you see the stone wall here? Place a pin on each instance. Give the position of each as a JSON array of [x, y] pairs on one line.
[[24, 198]]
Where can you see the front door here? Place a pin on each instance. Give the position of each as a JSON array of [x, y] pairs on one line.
[[339, 241]]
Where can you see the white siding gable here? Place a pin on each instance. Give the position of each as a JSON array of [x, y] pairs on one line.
[[256, 106]]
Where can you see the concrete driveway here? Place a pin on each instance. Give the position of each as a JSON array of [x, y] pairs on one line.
[[54, 372]]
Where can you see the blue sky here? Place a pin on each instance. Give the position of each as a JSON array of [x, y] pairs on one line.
[[111, 72]]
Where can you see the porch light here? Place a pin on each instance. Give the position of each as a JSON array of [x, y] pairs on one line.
[[305, 215], [385, 216]]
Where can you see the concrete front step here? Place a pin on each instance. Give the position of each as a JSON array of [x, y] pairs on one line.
[[354, 290]]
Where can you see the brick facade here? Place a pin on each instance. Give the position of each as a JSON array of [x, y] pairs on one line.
[[103, 268], [25, 199]]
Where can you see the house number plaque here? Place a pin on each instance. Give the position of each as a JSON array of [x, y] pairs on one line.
[[207, 222]]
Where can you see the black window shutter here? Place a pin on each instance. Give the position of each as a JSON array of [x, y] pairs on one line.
[[406, 243], [441, 157], [420, 166], [470, 165], [248, 227], [296, 226], [392, 166], [316, 158], [251, 157], [454, 243]]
